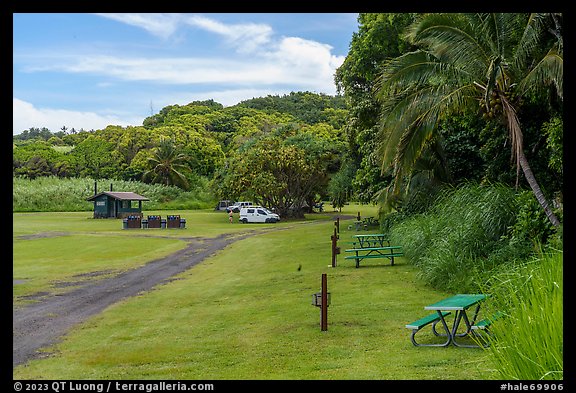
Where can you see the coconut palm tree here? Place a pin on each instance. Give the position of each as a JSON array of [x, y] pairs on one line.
[[466, 62], [167, 165]]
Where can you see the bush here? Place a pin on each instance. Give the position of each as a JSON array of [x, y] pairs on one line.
[[527, 343], [454, 239]]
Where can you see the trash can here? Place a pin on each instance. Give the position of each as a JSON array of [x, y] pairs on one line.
[[145, 223], [124, 223], [182, 223], [163, 223], [133, 221], [154, 221], [173, 221]]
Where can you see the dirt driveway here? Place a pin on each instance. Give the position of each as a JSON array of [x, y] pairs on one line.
[[45, 322]]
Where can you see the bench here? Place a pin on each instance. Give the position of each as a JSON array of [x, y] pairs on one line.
[[486, 322], [425, 321], [375, 252]]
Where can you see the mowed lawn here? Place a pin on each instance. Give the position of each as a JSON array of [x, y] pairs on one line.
[[246, 312]]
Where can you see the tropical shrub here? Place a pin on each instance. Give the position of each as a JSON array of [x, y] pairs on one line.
[[458, 234], [527, 342]]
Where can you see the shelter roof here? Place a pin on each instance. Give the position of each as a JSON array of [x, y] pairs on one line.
[[120, 195]]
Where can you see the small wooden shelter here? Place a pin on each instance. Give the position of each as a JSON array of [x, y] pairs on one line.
[[117, 204]]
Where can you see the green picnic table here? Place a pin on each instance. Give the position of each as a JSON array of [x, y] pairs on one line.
[[460, 304]]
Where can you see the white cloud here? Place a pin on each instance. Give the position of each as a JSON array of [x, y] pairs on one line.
[[161, 25], [25, 116], [247, 37], [261, 64], [262, 61]]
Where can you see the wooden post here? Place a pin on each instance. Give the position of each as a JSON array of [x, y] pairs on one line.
[[334, 238], [358, 218], [337, 223], [324, 306]]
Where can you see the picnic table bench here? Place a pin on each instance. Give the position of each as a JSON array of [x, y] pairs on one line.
[[375, 252], [425, 321]]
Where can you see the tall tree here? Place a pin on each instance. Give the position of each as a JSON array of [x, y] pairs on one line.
[[378, 38], [167, 165], [467, 61]]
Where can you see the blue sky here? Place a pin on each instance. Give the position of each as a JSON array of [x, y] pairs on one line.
[[91, 70]]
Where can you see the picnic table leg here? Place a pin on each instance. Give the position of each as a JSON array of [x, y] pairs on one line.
[[446, 329], [462, 315]]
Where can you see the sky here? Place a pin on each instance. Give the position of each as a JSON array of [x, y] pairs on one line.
[[88, 71]]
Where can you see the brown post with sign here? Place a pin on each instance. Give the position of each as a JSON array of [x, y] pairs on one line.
[[324, 305]]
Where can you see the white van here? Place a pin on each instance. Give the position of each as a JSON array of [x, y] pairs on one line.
[[257, 214]]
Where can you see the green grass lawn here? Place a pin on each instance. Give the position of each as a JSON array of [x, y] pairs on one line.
[[246, 312]]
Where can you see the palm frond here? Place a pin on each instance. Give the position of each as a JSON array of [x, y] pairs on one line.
[[450, 37], [548, 71], [530, 40]]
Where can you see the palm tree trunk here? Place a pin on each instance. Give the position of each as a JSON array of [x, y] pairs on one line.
[[536, 188], [518, 152]]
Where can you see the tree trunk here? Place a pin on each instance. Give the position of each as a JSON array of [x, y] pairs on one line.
[[518, 152], [536, 188]]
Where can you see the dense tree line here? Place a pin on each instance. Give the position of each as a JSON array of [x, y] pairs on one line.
[[245, 149], [439, 99]]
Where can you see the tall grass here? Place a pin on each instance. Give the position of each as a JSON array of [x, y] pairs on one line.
[[455, 238], [528, 342], [52, 193]]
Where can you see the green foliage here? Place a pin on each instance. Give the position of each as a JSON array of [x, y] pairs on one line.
[[379, 37], [553, 130], [527, 342], [55, 194], [167, 164], [462, 146], [340, 186], [38, 158], [531, 222], [306, 107], [457, 235], [284, 170], [467, 63]]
